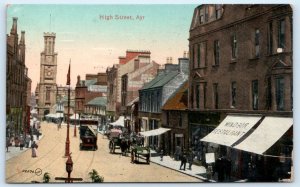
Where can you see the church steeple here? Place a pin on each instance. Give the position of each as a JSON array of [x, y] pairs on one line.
[[14, 28], [22, 47]]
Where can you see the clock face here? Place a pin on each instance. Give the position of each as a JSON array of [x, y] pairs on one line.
[[48, 71]]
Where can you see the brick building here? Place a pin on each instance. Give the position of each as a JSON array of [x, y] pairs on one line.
[[18, 84], [240, 62], [86, 90], [134, 60]]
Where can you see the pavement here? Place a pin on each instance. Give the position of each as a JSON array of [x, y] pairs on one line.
[[168, 162], [15, 151]]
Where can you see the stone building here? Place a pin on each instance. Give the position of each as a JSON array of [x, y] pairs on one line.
[[240, 62], [175, 117], [96, 108], [155, 94], [112, 104], [18, 84], [47, 88]]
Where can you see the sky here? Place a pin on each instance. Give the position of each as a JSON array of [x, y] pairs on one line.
[[94, 43]]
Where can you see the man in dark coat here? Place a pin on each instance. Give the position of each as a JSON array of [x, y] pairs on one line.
[[183, 159]]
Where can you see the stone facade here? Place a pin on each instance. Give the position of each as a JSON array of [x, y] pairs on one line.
[[18, 84], [240, 62], [47, 90]]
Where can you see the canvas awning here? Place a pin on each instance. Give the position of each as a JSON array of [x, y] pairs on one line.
[[75, 116], [231, 129], [33, 111], [155, 132], [119, 122], [266, 134]]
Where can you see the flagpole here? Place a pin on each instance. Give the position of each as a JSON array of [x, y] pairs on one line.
[[67, 150]]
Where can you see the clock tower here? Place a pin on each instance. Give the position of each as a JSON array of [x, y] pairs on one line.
[[48, 69]]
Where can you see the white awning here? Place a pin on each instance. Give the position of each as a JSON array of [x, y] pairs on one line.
[[231, 129], [119, 122], [266, 134], [75, 116], [154, 132], [33, 111]]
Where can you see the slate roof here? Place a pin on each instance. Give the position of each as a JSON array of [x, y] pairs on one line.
[[89, 82], [161, 80], [98, 101], [179, 101]]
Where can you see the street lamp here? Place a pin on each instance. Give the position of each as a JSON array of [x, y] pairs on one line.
[[69, 168]]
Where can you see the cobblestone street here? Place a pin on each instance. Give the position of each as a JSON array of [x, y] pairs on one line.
[[113, 167]]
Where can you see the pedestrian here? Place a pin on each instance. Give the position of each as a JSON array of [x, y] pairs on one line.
[[161, 154], [27, 140], [190, 158], [38, 134], [34, 147], [7, 143], [177, 153], [22, 142], [183, 160], [220, 168]]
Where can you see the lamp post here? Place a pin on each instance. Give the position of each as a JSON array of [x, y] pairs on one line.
[[67, 150], [69, 168], [75, 122]]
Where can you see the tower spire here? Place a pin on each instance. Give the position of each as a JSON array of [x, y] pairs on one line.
[[22, 40], [14, 26]]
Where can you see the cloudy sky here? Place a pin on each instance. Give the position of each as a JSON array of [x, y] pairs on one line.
[[92, 42]]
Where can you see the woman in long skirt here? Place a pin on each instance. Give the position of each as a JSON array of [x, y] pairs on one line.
[[34, 149]]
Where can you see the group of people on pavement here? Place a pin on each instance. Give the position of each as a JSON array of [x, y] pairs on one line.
[[186, 157], [26, 140]]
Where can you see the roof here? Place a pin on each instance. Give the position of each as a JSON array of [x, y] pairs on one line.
[[133, 101], [161, 80], [98, 101], [89, 82], [179, 101]]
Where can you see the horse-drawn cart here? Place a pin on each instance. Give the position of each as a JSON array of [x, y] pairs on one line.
[[140, 152], [119, 140]]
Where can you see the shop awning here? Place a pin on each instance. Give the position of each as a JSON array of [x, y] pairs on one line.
[[119, 122], [231, 129], [266, 134], [75, 116], [155, 132]]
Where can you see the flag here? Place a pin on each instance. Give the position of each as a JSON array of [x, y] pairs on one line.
[[68, 76]]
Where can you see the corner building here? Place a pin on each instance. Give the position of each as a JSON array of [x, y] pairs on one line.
[[240, 62]]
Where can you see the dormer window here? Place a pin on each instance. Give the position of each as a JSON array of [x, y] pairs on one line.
[[218, 11]]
